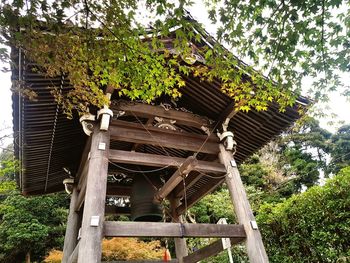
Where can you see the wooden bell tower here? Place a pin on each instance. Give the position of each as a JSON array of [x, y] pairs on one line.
[[133, 125], [188, 144]]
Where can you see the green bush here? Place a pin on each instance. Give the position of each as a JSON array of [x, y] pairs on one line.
[[310, 227]]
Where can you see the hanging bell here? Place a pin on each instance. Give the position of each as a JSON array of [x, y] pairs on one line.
[[142, 206]]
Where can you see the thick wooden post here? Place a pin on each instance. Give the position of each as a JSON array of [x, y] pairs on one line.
[[72, 229], [255, 247], [180, 243], [94, 206]]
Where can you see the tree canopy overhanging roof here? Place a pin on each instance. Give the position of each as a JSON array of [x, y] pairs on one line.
[[67, 71], [46, 141]]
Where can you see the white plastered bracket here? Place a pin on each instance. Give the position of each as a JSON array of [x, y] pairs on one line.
[[106, 114], [85, 121], [227, 137]]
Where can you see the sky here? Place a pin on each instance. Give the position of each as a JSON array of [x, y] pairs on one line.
[[337, 104]]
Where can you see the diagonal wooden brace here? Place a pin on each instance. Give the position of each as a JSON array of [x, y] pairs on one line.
[[188, 165]]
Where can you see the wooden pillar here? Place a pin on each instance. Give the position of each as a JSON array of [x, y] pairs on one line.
[[255, 247], [72, 229], [180, 243], [90, 249]]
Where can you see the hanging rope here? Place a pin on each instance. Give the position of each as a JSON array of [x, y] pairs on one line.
[[185, 194], [212, 177], [138, 171]]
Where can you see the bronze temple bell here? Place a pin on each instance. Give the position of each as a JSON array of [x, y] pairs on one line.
[[142, 206]]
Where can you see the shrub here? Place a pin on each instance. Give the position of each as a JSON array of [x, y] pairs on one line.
[[120, 249], [55, 256], [310, 227]]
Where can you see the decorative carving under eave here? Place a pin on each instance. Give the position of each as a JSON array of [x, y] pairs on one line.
[[166, 110], [164, 123], [87, 121]]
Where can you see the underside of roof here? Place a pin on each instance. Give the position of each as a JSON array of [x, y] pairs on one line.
[[48, 144]]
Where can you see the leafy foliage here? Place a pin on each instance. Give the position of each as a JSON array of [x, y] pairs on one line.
[[312, 226], [55, 256], [121, 249], [134, 48], [340, 149], [294, 161], [213, 207], [28, 223], [131, 249], [8, 168], [289, 39]]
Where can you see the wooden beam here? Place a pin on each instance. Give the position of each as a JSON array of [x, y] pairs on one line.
[[151, 229], [146, 111], [137, 146], [82, 175], [73, 258], [188, 165], [255, 247], [190, 180], [155, 160], [200, 193], [193, 178], [136, 133], [81, 187], [209, 251], [72, 229], [230, 111], [90, 248], [84, 158], [181, 249]]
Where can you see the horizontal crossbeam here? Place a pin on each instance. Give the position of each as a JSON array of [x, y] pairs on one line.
[[147, 111], [154, 160], [136, 133], [151, 229]]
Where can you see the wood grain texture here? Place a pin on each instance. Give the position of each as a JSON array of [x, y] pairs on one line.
[[94, 205], [152, 229], [135, 133], [181, 249], [154, 160], [146, 111], [72, 229], [255, 247], [73, 258], [188, 165]]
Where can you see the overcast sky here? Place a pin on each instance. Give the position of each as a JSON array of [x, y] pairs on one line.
[[338, 104]]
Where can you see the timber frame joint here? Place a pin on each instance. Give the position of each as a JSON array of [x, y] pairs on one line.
[[227, 138], [106, 114], [87, 121]]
